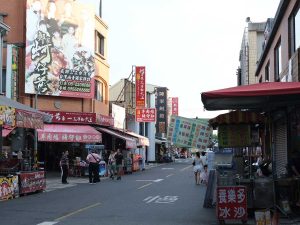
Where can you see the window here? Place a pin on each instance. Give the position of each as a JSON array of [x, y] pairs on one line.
[[294, 30], [267, 72], [99, 43], [277, 60], [98, 90]]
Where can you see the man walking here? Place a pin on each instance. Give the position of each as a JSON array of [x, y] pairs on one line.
[[119, 163], [93, 159], [64, 165]]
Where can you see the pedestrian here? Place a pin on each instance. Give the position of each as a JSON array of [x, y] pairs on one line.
[[203, 157], [64, 166], [198, 167], [112, 164], [204, 175], [93, 160], [119, 163]]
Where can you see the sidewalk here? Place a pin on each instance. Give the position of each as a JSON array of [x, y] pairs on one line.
[[53, 179]]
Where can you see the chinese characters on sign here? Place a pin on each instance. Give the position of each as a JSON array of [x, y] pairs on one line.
[[161, 200], [145, 115], [60, 48], [72, 117], [185, 132], [234, 135], [64, 137], [175, 106], [29, 119], [161, 107], [140, 86], [232, 202]]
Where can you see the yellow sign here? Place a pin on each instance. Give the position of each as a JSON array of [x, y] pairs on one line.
[[7, 115]]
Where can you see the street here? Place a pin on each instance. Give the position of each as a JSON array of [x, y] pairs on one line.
[[165, 195]]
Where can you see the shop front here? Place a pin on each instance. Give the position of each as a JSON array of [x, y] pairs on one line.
[[279, 103]]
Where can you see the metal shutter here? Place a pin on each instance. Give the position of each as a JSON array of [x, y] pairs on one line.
[[280, 147]]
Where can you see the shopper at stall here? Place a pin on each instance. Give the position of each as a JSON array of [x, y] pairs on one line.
[[64, 165], [112, 164], [93, 160], [119, 163], [198, 167]]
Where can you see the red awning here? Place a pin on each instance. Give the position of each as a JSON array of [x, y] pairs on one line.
[[254, 96], [69, 133], [6, 131], [130, 142]]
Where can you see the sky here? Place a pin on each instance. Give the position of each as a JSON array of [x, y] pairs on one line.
[[188, 46]]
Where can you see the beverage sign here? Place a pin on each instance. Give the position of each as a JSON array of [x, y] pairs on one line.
[[175, 106], [72, 117], [140, 86], [145, 115], [60, 48], [232, 202]]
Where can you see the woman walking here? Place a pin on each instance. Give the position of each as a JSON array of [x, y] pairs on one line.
[[198, 167]]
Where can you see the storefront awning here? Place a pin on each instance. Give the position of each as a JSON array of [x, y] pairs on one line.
[[238, 117], [143, 141], [254, 96], [69, 133], [6, 131], [130, 142]]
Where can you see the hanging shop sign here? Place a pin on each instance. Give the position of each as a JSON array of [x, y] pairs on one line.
[[231, 203], [161, 110], [32, 181], [60, 49], [237, 135], [72, 117], [7, 115], [12, 71], [175, 106], [145, 115], [186, 132], [104, 120], [140, 86], [29, 119]]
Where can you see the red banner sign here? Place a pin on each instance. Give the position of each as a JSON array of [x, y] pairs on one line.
[[140, 86], [175, 106], [72, 117], [232, 202], [32, 181], [145, 115], [105, 120], [29, 119], [65, 137]]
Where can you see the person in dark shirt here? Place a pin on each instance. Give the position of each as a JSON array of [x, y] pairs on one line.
[[64, 165], [119, 163]]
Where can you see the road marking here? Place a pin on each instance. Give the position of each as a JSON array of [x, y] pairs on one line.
[[76, 212], [158, 199], [146, 185], [157, 180], [47, 223], [167, 168], [185, 168], [170, 175]]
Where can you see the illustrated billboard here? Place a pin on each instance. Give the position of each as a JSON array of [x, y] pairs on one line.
[[140, 86], [60, 48]]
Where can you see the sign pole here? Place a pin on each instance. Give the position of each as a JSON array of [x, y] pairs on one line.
[[35, 136]]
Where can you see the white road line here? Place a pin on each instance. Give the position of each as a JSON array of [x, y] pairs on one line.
[[170, 175], [157, 180], [167, 168], [146, 185], [47, 223], [185, 168]]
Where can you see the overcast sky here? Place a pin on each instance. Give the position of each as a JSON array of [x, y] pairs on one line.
[[188, 46]]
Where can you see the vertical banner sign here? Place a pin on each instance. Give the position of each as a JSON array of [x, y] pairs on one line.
[[140, 86], [175, 106], [60, 48], [232, 203], [12, 71], [161, 109]]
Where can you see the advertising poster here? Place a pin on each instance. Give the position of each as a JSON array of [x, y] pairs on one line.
[[60, 48], [7, 115], [186, 132], [140, 86], [8, 187], [31, 182], [234, 135]]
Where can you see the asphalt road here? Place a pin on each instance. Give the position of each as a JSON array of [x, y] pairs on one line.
[[164, 195]]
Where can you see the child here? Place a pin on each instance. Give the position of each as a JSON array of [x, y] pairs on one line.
[[204, 176]]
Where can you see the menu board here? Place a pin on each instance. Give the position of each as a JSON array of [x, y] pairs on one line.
[[234, 135]]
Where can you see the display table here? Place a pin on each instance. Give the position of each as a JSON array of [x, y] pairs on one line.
[[32, 181]]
